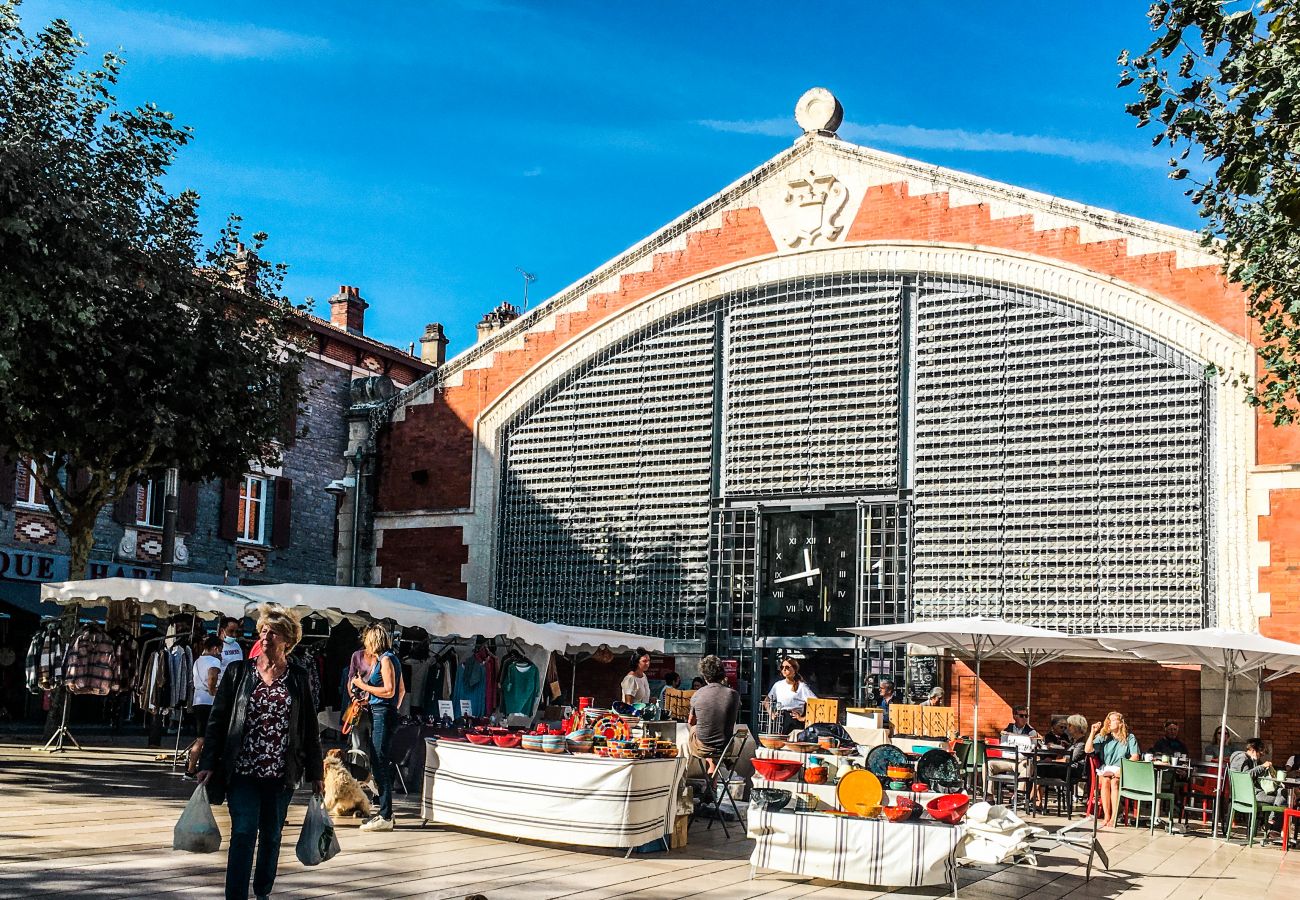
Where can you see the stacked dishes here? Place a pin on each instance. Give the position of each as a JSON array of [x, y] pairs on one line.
[[553, 743], [532, 741]]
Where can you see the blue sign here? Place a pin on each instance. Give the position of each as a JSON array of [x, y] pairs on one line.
[[24, 565]]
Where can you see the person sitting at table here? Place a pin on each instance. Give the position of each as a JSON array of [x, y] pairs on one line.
[[1169, 745], [1254, 761], [934, 698], [1025, 764], [1211, 750], [1059, 734], [696, 683], [789, 696], [1073, 766], [1020, 723], [1112, 743], [672, 681], [714, 709]]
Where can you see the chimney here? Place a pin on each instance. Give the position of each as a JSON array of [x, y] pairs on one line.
[[348, 310], [243, 269], [433, 345], [499, 318]]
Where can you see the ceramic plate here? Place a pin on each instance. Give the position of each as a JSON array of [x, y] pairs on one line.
[[939, 768], [882, 757], [858, 791]]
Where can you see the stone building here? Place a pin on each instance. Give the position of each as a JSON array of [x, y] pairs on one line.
[[853, 388], [269, 525]]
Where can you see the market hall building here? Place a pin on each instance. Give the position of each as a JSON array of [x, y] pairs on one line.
[[850, 389]]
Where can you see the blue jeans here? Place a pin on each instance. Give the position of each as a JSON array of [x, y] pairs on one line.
[[257, 810], [383, 722]]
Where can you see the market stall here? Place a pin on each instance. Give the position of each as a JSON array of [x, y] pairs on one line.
[[571, 798]]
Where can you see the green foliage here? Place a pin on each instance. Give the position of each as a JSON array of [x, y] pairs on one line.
[[126, 347], [1224, 78]]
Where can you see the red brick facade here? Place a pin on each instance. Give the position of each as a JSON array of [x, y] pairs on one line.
[[429, 558]]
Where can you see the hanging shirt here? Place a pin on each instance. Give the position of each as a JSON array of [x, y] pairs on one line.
[[471, 685], [521, 688]]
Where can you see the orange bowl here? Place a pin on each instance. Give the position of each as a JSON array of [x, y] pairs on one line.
[[815, 775], [896, 813]]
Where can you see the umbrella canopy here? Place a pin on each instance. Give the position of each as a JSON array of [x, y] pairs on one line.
[[579, 639], [158, 598], [1228, 652], [438, 615], [979, 637]]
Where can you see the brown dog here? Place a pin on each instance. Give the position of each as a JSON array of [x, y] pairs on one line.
[[344, 795]]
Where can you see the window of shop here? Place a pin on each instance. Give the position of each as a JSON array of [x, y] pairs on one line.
[[27, 490], [149, 504]]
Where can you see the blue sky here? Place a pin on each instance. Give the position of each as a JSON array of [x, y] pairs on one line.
[[422, 151]]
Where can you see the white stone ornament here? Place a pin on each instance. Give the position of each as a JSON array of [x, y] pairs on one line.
[[812, 210], [818, 111]]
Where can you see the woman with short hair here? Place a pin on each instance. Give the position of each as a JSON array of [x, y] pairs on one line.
[[262, 739]]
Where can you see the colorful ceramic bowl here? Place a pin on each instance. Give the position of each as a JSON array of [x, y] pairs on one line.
[[776, 769], [479, 739], [815, 775], [506, 740], [772, 741], [532, 742], [950, 808], [771, 799]]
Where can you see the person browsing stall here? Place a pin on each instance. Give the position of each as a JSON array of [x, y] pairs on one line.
[[714, 709], [1169, 744], [635, 687], [789, 696], [262, 740], [228, 631], [384, 689], [205, 675], [1112, 743], [886, 698]]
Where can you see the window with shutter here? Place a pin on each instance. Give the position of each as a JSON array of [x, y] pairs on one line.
[[187, 508], [228, 528], [282, 513], [27, 490], [8, 481], [251, 521], [126, 507]]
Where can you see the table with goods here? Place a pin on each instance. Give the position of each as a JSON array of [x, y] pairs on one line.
[[874, 816], [588, 782]]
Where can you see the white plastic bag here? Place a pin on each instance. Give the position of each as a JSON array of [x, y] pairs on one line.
[[196, 831], [317, 842]]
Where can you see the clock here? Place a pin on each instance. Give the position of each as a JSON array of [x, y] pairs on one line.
[[810, 572]]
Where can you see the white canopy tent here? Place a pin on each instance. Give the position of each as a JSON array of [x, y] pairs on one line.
[[158, 598], [1228, 652], [579, 639], [978, 637]]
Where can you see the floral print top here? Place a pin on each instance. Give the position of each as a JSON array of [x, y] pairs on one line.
[[266, 730]]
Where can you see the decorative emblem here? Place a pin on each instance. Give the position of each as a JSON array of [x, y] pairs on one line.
[[150, 547], [812, 209], [126, 547], [180, 553]]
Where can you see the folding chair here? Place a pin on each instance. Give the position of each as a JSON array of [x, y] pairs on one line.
[[717, 785]]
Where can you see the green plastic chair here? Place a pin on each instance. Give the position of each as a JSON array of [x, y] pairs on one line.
[[1137, 782], [971, 757], [1243, 801]]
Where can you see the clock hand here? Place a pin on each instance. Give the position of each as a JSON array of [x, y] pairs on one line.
[[797, 575]]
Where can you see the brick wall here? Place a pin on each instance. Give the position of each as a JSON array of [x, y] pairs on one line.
[[1283, 727], [1280, 579], [428, 557], [1147, 694]]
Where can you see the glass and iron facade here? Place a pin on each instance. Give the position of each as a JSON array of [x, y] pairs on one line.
[[761, 469]]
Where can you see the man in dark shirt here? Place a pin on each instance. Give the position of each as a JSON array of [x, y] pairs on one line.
[[1254, 762], [714, 708], [886, 698], [1169, 744]]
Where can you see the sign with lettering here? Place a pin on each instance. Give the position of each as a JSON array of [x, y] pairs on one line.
[[446, 710], [23, 565], [96, 569], [465, 709]]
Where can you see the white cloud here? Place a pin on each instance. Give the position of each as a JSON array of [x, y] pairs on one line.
[[162, 35], [532, 173], [955, 139]]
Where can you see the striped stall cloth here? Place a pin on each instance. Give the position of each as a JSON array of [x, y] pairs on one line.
[[562, 798], [848, 848]]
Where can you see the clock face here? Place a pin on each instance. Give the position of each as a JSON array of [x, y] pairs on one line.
[[810, 577]]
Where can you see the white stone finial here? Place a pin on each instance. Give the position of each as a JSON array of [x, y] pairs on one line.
[[818, 111]]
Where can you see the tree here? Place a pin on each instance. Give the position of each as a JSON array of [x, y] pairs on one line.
[[1224, 77], [126, 348]]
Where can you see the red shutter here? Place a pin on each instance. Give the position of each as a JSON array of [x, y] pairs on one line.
[[282, 512], [229, 526], [126, 507], [8, 476], [187, 509]]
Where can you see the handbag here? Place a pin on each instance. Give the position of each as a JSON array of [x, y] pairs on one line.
[[351, 716]]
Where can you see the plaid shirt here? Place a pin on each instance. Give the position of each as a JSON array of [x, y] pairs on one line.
[[92, 663], [45, 658]]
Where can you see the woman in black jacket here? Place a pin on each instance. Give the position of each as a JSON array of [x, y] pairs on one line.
[[262, 739]]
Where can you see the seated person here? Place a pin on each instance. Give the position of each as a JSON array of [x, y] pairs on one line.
[[1212, 748], [934, 698], [1019, 726], [1253, 761], [886, 698], [1111, 741], [1074, 768], [1169, 744], [696, 683], [714, 709], [1059, 734], [672, 681]]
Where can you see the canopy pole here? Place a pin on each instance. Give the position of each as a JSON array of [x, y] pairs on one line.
[[975, 728], [1259, 694], [1029, 685], [1228, 676]]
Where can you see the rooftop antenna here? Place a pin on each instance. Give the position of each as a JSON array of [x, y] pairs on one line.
[[529, 278]]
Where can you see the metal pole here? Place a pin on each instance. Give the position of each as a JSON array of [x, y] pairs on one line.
[[1029, 684], [975, 727], [356, 515], [171, 487], [1259, 694], [1223, 739]]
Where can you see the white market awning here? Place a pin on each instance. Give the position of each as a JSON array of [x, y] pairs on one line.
[[158, 598], [579, 639]]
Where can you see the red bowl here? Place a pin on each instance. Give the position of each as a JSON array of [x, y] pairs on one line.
[[478, 738], [950, 808], [497, 729], [897, 813], [777, 769], [506, 740]]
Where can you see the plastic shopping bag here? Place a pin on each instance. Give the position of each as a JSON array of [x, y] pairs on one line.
[[196, 831], [317, 842]]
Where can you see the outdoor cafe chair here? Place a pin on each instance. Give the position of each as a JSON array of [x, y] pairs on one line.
[[1198, 796], [1138, 783], [1243, 801], [1013, 779], [970, 756], [717, 786], [1062, 787]]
